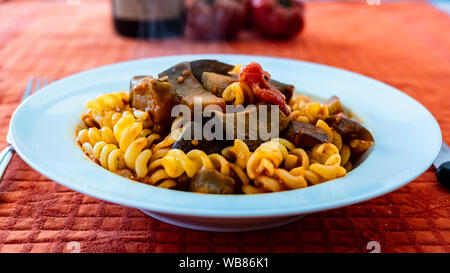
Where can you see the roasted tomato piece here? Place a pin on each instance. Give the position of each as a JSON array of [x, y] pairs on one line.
[[258, 80]]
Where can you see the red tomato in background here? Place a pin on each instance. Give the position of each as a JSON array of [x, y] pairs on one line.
[[280, 19]]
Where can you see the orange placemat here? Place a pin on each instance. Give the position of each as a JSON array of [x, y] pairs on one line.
[[403, 44]]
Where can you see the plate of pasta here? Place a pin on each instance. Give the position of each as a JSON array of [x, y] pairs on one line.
[[225, 142]]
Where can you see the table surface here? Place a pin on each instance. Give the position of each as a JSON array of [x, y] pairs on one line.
[[402, 44]]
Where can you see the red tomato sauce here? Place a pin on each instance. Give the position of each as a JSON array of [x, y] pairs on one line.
[[258, 80]]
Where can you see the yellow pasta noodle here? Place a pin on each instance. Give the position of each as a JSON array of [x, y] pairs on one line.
[[298, 116], [329, 161], [291, 180], [315, 111], [266, 158], [239, 152], [136, 158], [295, 157], [220, 164], [234, 93], [176, 162], [126, 130], [108, 102]]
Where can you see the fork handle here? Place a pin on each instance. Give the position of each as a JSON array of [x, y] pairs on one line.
[[5, 158]]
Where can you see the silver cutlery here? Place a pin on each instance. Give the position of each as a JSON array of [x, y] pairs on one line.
[[442, 164], [7, 153]]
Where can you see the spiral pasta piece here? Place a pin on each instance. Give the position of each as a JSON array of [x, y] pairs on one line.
[[176, 162], [136, 158], [220, 163], [335, 137], [321, 152], [311, 177], [294, 157], [236, 69], [143, 117], [360, 146], [158, 174], [126, 130], [267, 157], [121, 139], [237, 93], [299, 102], [234, 93], [291, 180], [298, 116], [327, 129], [250, 189], [94, 135], [268, 183], [328, 165], [345, 154], [328, 172], [239, 152], [108, 155], [107, 119], [109, 102]]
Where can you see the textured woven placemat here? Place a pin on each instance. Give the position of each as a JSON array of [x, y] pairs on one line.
[[402, 44]]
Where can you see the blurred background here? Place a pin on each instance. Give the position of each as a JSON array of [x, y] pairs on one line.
[[68, 33]]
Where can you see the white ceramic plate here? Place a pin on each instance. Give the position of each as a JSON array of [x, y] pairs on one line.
[[407, 139]]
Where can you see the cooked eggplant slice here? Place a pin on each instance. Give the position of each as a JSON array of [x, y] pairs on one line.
[[334, 106], [304, 134], [286, 89], [211, 181], [238, 123], [188, 87], [157, 98], [200, 66], [187, 143], [348, 128], [217, 83]]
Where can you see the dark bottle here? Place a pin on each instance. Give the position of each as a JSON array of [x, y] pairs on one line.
[[148, 18]]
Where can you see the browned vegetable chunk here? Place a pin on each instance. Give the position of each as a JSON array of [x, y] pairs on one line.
[[190, 87], [211, 181], [198, 67], [136, 80], [334, 105], [217, 83], [305, 135], [157, 97], [348, 128]]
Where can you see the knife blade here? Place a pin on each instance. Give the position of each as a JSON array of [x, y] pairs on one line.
[[442, 164], [443, 156]]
